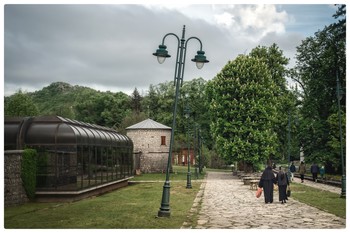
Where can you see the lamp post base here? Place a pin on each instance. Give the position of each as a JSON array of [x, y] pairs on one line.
[[163, 213], [343, 188], [189, 185], [164, 210]]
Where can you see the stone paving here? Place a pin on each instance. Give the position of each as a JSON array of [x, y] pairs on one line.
[[228, 204]]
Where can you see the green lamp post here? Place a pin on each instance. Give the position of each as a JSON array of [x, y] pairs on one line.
[[187, 115], [200, 59]]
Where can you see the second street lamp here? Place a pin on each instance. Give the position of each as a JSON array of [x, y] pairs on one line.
[[200, 59], [187, 115]]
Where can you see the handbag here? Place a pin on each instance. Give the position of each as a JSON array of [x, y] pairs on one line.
[[288, 192], [258, 192]]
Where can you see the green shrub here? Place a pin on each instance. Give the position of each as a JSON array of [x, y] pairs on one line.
[[28, 171]]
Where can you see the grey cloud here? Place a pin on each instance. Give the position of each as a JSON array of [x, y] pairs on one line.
[[111, 46], [101, 45]]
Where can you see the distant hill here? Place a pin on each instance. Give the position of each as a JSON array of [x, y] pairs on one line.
[[58, 98]]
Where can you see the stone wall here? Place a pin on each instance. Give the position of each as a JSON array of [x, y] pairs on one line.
[[14, 193], [154, 156]]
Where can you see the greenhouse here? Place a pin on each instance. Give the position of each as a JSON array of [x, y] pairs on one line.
[[72, 155]]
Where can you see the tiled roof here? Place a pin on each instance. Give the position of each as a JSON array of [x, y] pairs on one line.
[[148, 124]]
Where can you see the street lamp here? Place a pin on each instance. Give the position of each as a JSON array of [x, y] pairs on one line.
[[289, 173], [198, 137], [343, 178], [200, 59], [187, 115]]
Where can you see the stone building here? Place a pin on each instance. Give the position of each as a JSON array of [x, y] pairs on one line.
[[151, 145]]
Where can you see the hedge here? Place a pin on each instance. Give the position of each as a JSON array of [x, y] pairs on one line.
[[28, 171]]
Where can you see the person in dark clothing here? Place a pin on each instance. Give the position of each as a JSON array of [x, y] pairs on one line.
[[292, 169], [302, 171], [314, 170], [282, 182], [266, 182]]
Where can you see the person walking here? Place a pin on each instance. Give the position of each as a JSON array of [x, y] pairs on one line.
[[267, 180], [322, 172], [314, 171], [292, 170], [302, 171], [282, 182]]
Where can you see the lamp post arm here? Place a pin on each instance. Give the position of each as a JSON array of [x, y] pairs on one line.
[[193, 37], [185, 49], [177, 53]]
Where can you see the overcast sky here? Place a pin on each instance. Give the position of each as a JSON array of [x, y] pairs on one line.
[[109, 47]]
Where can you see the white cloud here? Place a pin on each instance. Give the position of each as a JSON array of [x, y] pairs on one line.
[[226, 19], [256, 21], [252, 22]]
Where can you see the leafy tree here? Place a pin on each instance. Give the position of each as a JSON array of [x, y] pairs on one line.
[[150, 102], [131, 119], [275, 60], [159, 102], [193, 97], [243, 110], [320, 60], [107, 109], [20, 104]]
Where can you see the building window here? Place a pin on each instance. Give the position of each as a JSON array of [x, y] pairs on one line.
[[163, 139]]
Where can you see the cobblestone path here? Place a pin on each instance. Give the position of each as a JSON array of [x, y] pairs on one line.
[[228, 204]]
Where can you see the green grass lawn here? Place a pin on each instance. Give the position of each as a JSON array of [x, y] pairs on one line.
[[135, 206], [179, 173], [324, 200]]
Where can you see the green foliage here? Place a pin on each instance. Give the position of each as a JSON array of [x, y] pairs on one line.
[[320, 60], [58, 98], [28, 171], [243, 107], [20, 104], [136, 100], [275, 60], [131, 120], [158, 104], [107, 109], [334, 142]]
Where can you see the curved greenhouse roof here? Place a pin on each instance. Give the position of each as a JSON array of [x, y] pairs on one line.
[[56, 130]]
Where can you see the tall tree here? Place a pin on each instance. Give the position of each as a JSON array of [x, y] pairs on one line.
[[243, 110], [150, 102], [277, 65], [136, 99], [320, 60]]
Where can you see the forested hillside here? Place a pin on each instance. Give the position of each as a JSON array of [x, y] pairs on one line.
[[58, 99]]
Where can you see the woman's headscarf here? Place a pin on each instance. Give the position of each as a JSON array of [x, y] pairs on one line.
[[268, 173]]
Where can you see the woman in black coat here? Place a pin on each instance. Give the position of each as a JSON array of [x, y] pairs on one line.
[[266, 182], [283, 182]]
